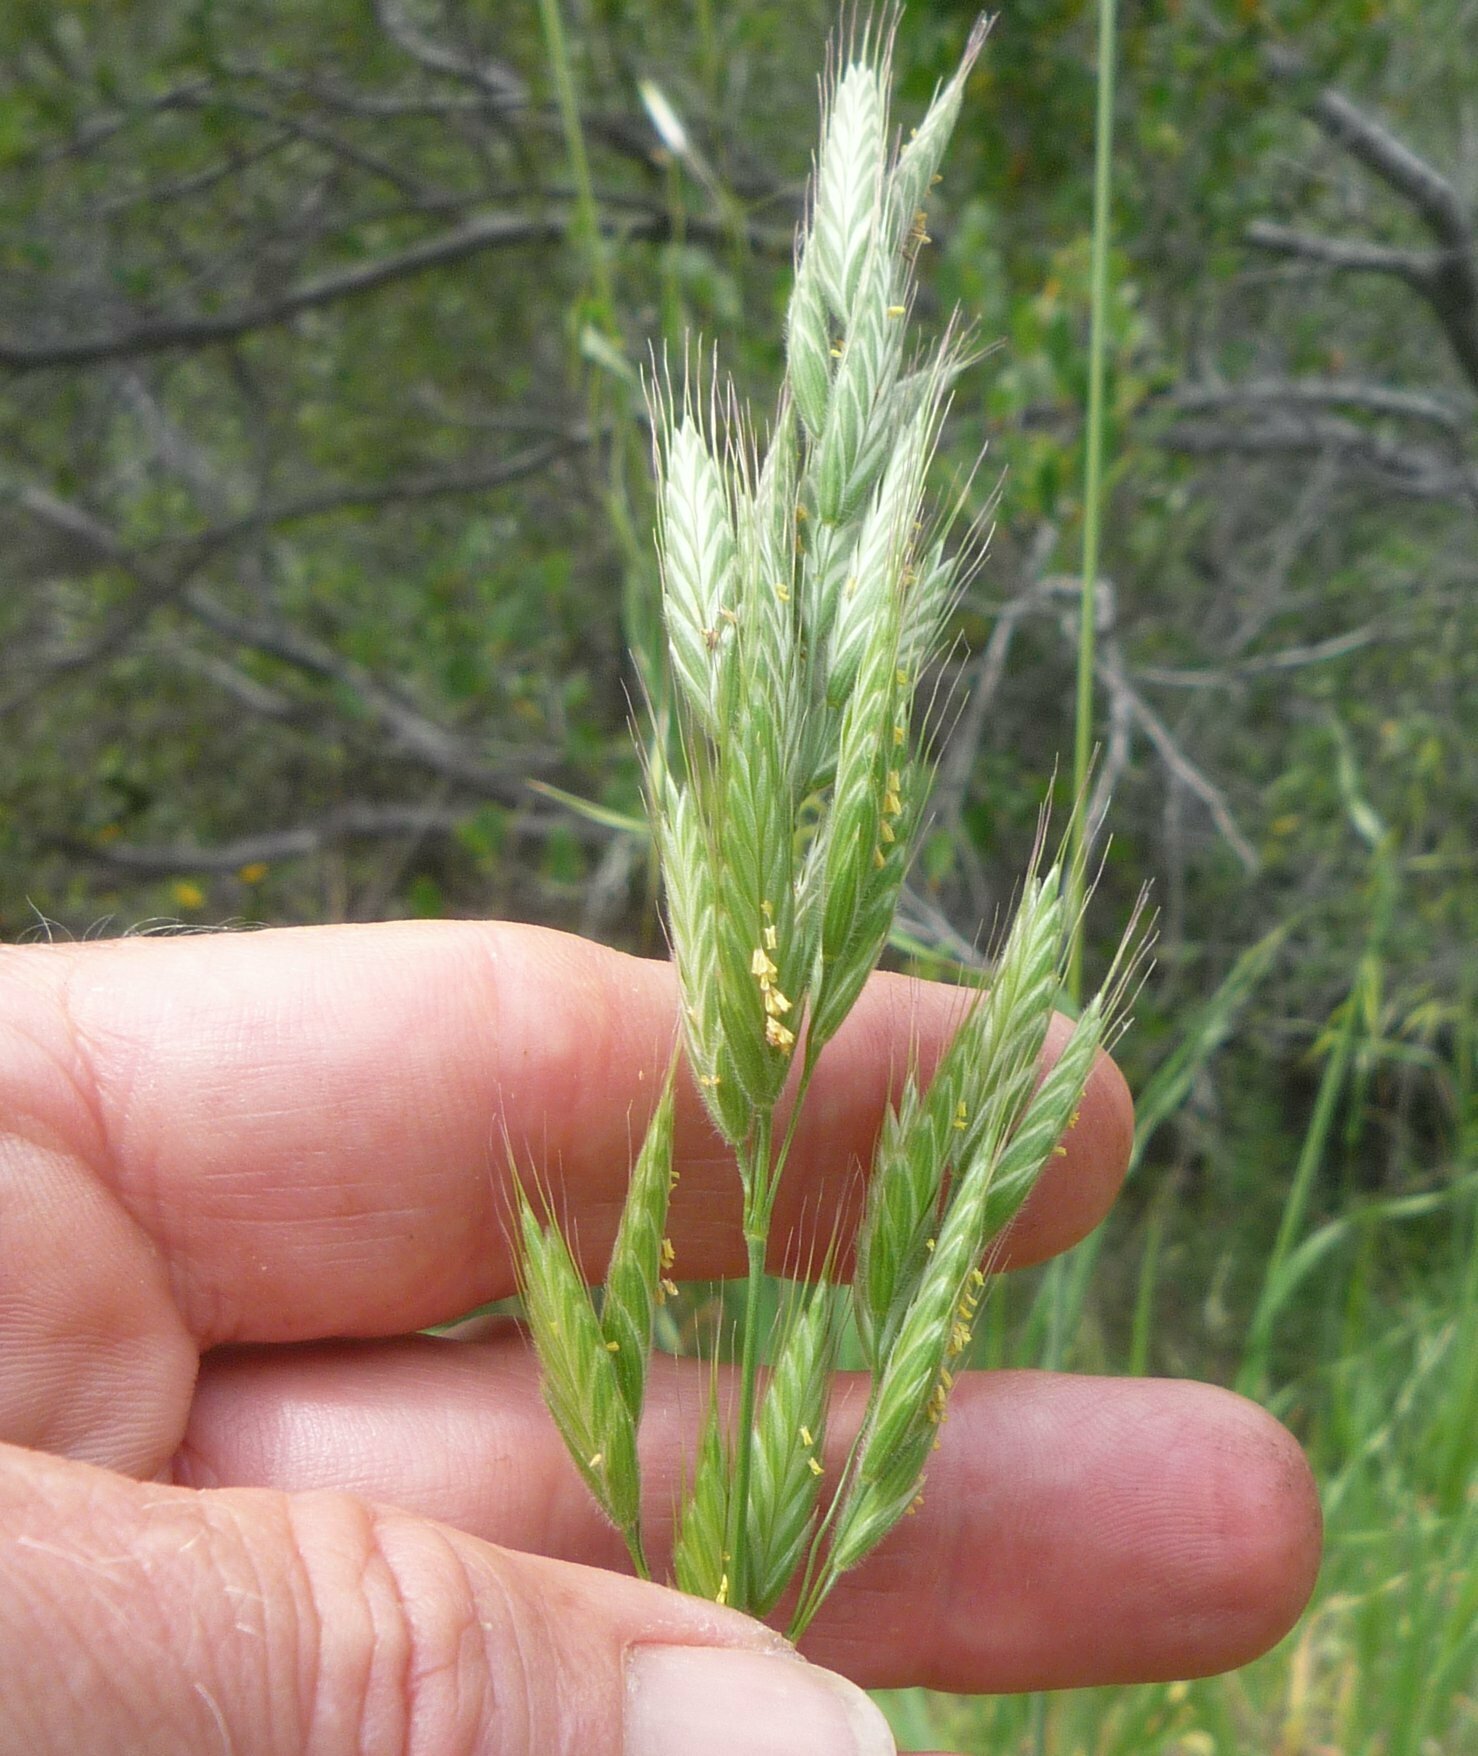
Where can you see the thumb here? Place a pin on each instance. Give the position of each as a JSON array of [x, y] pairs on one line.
[[135, 1617]]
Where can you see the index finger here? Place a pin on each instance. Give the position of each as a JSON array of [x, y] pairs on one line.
[[309, 1125]]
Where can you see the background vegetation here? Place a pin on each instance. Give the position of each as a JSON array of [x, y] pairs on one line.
[[325, 524]]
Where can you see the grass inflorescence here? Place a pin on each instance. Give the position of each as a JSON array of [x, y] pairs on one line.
[[807, 584]]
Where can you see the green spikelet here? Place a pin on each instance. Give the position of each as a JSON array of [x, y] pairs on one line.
[[579, 1375], [633, 1285], [787, 1472], [700, 1563]]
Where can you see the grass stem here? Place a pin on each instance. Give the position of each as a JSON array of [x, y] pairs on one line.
[[1103, 154], [758, 1190]]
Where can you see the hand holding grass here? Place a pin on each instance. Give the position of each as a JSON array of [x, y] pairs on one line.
[[226, 1155]]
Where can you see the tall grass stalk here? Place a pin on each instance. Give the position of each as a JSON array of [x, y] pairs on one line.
[[1103, 162], [807, 583], [1055, 1290]]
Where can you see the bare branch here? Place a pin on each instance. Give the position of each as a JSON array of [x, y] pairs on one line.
[[1447, 280], [492, 231], [1382, 152], [371, 496], [1348, 255], [1111, 673], [1353, 393], [1290, 658], [499, 83], [1417, 472], [356, 822], [439, 748]]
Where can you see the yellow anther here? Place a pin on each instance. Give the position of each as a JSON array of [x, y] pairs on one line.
[[776, 1005], [892, 804], [669, 1254], [668, 1288], [900, 677], [613, 1347], [708, 1079], [962, 1115], [849, 590], [760, 965], [977, 1279], [772, 938], [816, 1469], [885, 831], [721, 1596], [898, 310], [837, 348], [806, 1438], [929, 1243], [597, 1460], [777, 1036], [877, 859], [899, 734], [782, 591], [800, 515]]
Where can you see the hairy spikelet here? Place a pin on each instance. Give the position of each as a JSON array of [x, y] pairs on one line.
[[637, 1269], [791, 1430], [579, 1372], [808, 354], [699, 569], [700, 1562], [952, 1132], [849, 185], [1050, 1113], [692, 923]]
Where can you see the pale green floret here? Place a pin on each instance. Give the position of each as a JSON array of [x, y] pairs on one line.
[[860, 429], [877, 567], [579, 1375], [700, 1562], [633, 1284], [808, 345], [849, 185], [953, 1133], [700, 573], [787, 1474]]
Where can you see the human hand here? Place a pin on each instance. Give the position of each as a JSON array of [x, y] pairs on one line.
[[244, 1504]]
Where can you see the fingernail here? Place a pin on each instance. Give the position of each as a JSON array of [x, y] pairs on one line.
[[726, 1703]]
